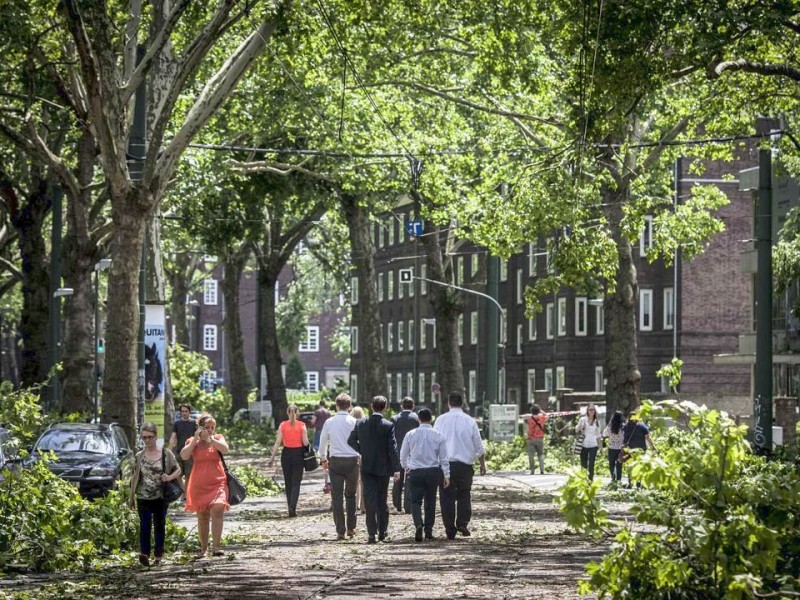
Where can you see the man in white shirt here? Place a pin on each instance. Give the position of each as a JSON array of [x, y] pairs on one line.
[[424, 456], [464, 445], [342, 465]]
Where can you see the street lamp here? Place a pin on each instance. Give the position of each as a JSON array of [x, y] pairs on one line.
[[100, 265]]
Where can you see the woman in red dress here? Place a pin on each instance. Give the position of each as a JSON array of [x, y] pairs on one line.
[[207, 489]]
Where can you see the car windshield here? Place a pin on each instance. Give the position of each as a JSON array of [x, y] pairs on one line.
[[60, 441]]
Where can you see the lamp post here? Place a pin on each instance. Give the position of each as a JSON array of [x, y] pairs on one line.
[[101, 265]]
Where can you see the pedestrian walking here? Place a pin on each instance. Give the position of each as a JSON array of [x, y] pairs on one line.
[[153, 467], [424, 457], [358, 414], [373, 439], [182, 430], [320, 416], [293, 436], [341, 462], [616, 437], [207, 490], [404, 421], [590, 428], [636, 436], [536, 423], [464, 445]]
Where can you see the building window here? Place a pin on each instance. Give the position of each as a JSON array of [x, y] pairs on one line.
[[388, 386], [400, 287], [390, 228], [312, 381], [210, 338], [460, 327], [519, 338], [380, 287], [548, 380], [562, 316], [599, 380], [561, 380], [401, 335], [503, 270], [669, 308], [646, 310], [420, 386], [207, 380], [411, 286], [311, 342], [473, 327], [531, 260], [410, 334], [354, 339], [410, 382], [210, 292], [600, 318], [433, 380], [354, 290], [460, 270], [532, 328], [646, 239], [354, 387], [423, 334], [531, 384], [423, 283], [399, 391], [379, 236], [389, 337], [473, 266], [520, 295], [390, 285], [581, 313], [504, 326], [472, 392], [550, 319]]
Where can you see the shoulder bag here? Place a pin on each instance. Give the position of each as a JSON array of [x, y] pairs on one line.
[[170, 490], [577, 444], [310, 462], [236, 490]]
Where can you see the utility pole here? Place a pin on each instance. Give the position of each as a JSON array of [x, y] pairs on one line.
[[762, 432]]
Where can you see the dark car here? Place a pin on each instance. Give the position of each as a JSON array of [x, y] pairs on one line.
[[307, 417], [93, 457]]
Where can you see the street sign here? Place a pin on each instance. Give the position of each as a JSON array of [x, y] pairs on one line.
[[414, 228], [406, 275], [435, 388], [503, 422]]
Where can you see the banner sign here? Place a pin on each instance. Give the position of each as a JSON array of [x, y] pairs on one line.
[[155, 356]]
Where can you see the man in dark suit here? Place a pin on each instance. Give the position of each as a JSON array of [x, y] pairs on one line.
[[404, 422], [373, 439]]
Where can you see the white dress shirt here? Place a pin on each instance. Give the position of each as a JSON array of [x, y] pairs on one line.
[[335, 432], [461, 435], [424, 448]]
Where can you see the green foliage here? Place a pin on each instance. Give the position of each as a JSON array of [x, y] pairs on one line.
[[672, 371], [295, 374], [256, 483], [186, 369], [244, 437], [712, 519], [217, 403], [507, 456], [20, 413]]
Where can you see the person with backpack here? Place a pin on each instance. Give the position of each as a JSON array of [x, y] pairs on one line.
[[536, 429]]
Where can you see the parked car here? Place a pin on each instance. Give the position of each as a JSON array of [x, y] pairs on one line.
[[307, 418], [93, 457]]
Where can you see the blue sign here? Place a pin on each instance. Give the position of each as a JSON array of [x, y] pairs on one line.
[[414, 228]]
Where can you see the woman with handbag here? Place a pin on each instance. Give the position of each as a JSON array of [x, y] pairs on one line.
[[590, 428], [616, 440], [153, 468], [207, 489], [293, 436]]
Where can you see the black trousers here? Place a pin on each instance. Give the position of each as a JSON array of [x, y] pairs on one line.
[[292, 464], [344, 482], [614, 465], [422, 486], [152, 516], [376, 489], [588, 456], [455, 500], [400, 500]]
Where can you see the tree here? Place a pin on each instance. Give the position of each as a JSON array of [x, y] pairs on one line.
[[295, 374]]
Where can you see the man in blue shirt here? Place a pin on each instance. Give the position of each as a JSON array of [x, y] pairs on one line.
[[424, 456]]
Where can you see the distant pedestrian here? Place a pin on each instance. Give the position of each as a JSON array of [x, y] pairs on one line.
[[182, 430], [152, 468], [404, 421], [636, 436], [207, 490], [464, 445], [341, 461], [320, 416], [616, 437], [536, 423], [293, 436], [590, 427], [358, 414], [424, 456], [373, 439]]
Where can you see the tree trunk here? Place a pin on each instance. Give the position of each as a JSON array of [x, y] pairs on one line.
[[120, 381], [80, 252], [447, 305], [180, 276], [237, 369], [621, 363], [268, 338], [367, 309], [29, 223]]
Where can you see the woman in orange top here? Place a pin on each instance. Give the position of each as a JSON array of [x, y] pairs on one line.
[[292, 434], [207, 489]]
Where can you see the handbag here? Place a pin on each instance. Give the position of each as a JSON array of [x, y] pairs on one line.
[[236, 490], [170, 490], [310, 462], [577, 444]]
